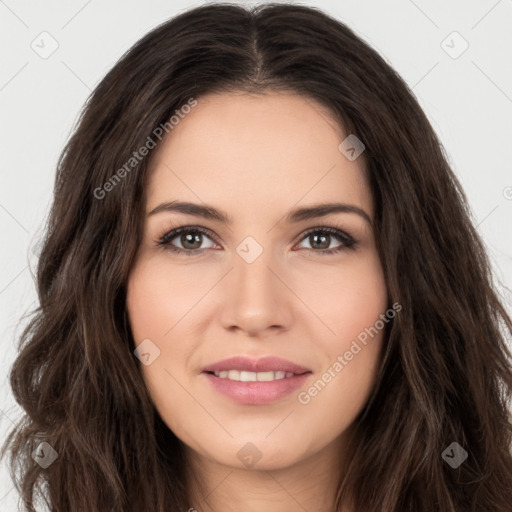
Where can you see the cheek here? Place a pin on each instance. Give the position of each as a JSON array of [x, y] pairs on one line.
[[158, 296], [346, 299], [163, 305], [350, 303]]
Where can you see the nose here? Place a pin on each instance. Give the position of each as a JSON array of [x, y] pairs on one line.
[[256, 298]]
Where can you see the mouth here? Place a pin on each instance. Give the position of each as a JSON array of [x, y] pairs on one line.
[[250, 365], [246, 376], [255, 381]]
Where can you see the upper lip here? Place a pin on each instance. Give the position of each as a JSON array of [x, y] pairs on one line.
[[263, 364]]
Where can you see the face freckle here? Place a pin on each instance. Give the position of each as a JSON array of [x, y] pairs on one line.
[[259, 283]]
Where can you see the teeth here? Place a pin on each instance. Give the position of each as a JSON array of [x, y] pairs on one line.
[[244, 376]]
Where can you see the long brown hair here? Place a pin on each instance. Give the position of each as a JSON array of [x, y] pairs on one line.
[[446, 372]]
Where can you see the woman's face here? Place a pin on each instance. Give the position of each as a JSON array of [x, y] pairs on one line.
[[259, 284]]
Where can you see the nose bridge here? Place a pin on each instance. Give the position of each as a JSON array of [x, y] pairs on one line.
[[256, 298], [251, 271], [253, 281]]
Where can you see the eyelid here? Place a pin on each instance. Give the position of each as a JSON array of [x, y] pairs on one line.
[[172, 233], [347, 241], [327, 229]]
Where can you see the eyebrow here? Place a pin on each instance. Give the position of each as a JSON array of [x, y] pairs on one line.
[[294, 216]]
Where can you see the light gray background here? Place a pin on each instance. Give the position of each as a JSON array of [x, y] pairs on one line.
[[467, 99]]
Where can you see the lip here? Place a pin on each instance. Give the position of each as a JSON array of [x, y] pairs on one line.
[[263, 364], [256, 392]]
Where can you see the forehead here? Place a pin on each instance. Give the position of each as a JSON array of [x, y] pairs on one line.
[[256, 151]]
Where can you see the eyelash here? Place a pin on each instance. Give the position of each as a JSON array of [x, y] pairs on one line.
[[347, 242]]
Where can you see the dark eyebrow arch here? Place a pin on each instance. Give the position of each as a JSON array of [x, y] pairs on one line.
[[198, 210], [321, 210], [297, 215]]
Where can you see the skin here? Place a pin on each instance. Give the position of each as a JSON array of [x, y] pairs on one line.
[[256, 157]]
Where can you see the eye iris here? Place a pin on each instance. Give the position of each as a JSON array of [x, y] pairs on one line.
[[323, 244], [193, 239]]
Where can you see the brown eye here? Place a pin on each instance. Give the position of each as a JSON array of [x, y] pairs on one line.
[[320, 240], [191, 241], [186, 240]]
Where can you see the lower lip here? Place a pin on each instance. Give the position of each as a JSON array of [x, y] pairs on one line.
[[257, 393]]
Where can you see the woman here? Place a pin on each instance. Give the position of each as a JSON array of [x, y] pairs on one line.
[[261, 289]]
